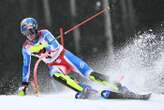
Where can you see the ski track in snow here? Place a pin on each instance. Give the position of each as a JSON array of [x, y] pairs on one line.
[[64, 101]]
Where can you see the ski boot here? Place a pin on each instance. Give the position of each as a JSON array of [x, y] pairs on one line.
[[23, 89], [87, 92], [107, 94]]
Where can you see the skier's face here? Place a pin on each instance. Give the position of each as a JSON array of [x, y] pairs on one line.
[[31, 37], [31, 34]]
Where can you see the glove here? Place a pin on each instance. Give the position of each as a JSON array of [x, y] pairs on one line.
[[23, 89]]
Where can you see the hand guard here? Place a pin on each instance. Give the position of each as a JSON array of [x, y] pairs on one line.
[[38, 48]]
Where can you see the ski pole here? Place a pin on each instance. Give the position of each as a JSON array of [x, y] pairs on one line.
[[85, 21]]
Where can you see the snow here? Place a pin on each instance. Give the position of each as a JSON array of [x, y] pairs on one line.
[[141, 66], [64, 101]]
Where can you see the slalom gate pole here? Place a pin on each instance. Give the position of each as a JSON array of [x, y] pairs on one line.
[[85, 21], [35, 81], [62, 36]]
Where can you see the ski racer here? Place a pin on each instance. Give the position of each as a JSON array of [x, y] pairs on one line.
[[60, 61]]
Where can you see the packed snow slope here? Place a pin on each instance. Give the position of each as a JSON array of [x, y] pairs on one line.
[[65, 101]]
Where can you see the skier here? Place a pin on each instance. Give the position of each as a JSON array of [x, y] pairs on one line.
[[60, 62]]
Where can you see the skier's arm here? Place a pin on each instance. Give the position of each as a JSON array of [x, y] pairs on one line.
[[51, 43], [26, 65], [51, 40], [25, 72], [66, 80]]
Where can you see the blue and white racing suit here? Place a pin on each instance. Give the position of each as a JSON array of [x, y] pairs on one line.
[[60, 61]]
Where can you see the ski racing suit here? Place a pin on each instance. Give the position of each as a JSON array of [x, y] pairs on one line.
[[60, 62]]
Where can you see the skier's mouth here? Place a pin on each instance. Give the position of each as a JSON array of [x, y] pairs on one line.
[[31, 37]]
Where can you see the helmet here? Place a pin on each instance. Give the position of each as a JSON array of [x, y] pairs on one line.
[[28, 27]]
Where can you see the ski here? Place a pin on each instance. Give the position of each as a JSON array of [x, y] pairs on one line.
[[107, 94]]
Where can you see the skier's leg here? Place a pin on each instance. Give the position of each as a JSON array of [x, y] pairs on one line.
[[77, 64], [82, 67], [103, 80], [66, 80], [98, 77], [85, 70], [83, 91], [57, 73], [71, 81]]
